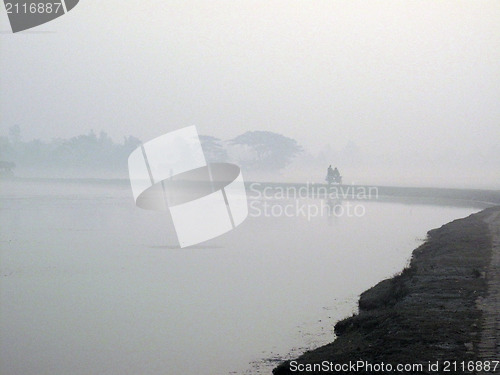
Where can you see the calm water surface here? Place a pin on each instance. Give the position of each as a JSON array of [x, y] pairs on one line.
[[90, 284]]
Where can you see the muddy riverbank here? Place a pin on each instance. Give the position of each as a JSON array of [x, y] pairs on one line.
[[443, 307]]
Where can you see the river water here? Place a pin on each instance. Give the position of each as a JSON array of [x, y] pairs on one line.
[[91, 284]]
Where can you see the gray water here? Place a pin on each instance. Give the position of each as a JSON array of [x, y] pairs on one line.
[[90, 284]]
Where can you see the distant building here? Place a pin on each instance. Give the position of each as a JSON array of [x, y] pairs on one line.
[[6, 169]]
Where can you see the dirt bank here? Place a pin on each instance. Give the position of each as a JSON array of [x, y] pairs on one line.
[[443, 307]]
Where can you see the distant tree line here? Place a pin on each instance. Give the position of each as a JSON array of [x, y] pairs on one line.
[[86, 151], [254, 151]]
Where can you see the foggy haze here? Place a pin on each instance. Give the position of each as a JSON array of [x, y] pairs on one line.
[[232, 273], [401, 93]]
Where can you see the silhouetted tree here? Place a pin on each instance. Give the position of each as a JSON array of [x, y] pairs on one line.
[[15, 134], [266, 151], [130, 143], [6, 149], [213, 148]]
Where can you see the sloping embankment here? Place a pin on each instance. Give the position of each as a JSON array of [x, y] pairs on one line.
[[444, 306]]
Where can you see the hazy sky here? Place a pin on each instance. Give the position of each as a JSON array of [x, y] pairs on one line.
[[400, 78]]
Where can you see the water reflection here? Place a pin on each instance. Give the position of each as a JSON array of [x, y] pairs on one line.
[[334, 209]]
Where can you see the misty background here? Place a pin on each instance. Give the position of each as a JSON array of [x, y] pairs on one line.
[[402, 93], [396, 93]]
